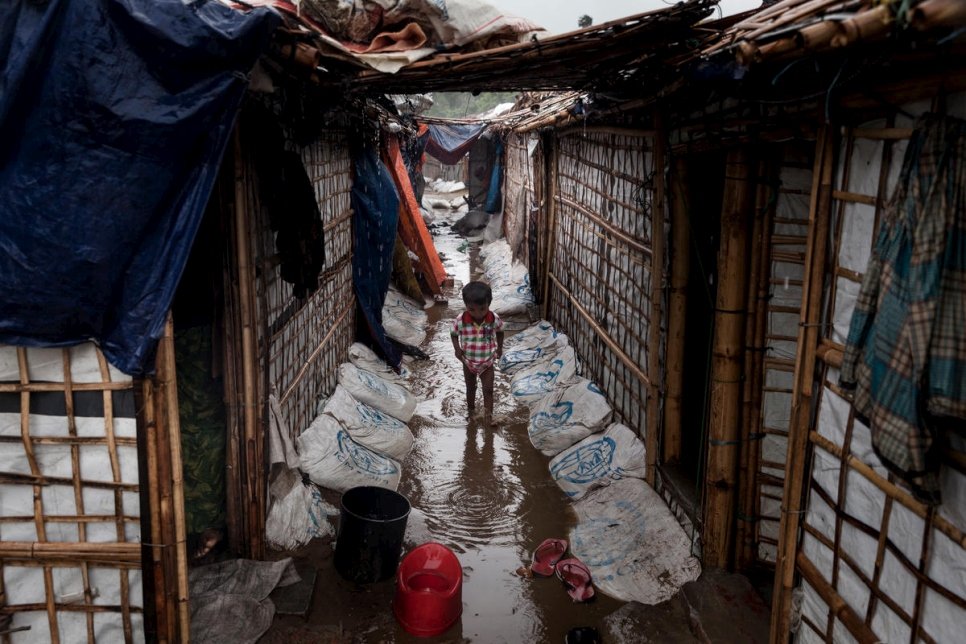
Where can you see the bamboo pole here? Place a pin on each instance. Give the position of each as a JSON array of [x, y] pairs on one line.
[[151, 552], [722, 461], [839, 607], [251, 480], [756, 299], [651, 441], [931, 14], [797, 455], [677, 309], [163, 477], [550, 163], [167, 377]]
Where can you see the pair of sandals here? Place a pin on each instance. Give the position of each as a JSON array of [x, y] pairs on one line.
[[548, 560]]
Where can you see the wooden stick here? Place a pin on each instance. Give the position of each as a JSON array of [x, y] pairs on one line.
[[677, 309], [797, 456], [726, 366], [658, 208], [252, 480]]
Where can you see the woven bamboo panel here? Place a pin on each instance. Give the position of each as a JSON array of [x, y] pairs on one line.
[[70, 510], [600, 273], [894, 563], [307, 339]]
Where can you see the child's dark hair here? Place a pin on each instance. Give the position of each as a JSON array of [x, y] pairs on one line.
[[477, 293]]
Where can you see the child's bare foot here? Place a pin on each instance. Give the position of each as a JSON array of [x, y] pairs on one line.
[[471, 412]]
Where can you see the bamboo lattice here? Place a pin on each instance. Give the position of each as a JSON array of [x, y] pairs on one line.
[[306, 340], [70, 508], [600, 272], [876, 563]]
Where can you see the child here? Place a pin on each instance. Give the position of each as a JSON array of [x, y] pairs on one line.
[[478, 340]]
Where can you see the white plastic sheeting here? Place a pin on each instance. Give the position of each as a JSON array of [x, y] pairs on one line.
[[566, 415], [635, 548], [599, 460], [297, 516]]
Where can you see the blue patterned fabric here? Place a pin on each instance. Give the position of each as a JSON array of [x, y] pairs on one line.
[[905, 354]]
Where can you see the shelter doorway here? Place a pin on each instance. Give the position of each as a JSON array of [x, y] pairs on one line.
[[199, 345], [704, 189]]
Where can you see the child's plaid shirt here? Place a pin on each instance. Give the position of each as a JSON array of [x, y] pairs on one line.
[[478, 341]]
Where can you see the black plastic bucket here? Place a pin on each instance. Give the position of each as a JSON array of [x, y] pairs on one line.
[[372, 524]]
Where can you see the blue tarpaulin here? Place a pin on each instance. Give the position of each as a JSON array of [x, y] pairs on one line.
[[114, 115], [375, 216], [450, 142]]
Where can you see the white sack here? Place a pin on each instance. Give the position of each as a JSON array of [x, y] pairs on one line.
[[520, 357], [395, 400], [403, 318], [567, 415], [366, 359], [297, 518], [536, 381], [333, 460], [599, 460], [514, 297], [369, 426], [635, 548]]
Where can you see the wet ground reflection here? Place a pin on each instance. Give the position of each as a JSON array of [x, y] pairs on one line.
[[485, 493]]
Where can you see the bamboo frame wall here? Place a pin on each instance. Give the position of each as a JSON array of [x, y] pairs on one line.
[[83, 544], [599, 282], [875, 563], [298, 344]]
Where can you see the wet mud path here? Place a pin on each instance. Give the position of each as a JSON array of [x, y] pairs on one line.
[[485, 493]]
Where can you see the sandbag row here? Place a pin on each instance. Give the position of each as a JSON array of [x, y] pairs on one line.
[[509, 280], [362, 433], [625, 534]]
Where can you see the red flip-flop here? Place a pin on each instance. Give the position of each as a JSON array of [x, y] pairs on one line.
[[546, 556], [576, 577]]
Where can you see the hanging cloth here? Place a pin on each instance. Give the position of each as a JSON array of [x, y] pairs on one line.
[[905, 354]]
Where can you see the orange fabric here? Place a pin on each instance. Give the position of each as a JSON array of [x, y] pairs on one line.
[[412, 228]]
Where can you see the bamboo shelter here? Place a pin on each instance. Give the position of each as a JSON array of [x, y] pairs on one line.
[[697, 204]]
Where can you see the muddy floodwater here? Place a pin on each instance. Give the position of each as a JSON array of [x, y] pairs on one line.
[[485, 493]]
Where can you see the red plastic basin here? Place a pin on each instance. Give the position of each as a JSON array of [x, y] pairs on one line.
[[429, 590]]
